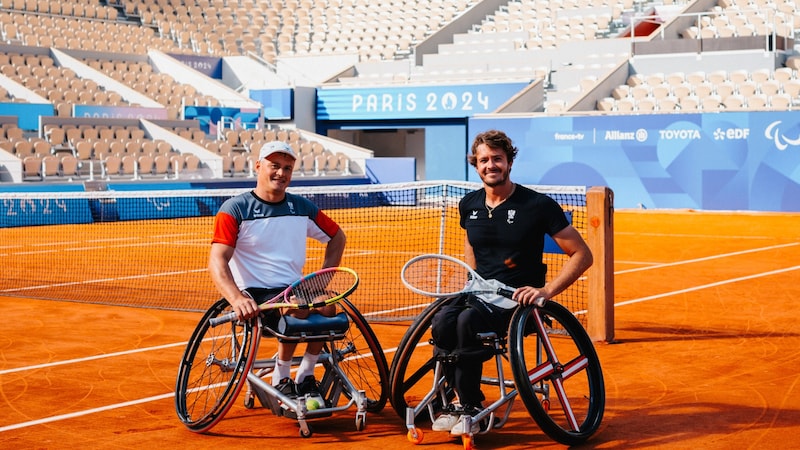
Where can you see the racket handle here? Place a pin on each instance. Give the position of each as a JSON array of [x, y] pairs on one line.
[[222, 319], [311, 305], [507, 293]]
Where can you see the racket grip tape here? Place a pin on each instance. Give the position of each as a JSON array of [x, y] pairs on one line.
[[214, 321], [507, 293]]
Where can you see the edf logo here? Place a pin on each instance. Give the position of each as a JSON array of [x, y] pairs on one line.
[[731, 134]]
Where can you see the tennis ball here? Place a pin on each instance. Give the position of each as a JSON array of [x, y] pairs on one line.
[[312, 404]]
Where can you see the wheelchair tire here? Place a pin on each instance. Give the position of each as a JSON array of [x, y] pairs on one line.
[[362, 359], [559, 369], [410, 379], [211, 370]]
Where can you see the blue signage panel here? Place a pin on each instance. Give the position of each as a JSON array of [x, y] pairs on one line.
[[27, 113], [210, 66], [211, 116], [23, 212], [120, 112], [277, 103], [718, 161], [413, 102], [156, 208]]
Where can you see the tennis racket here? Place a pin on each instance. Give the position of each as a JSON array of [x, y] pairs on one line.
[[438, 276], [315, 290]]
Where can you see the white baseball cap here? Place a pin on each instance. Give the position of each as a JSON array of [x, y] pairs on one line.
[[276, 147]]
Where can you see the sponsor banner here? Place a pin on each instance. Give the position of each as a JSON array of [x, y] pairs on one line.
[[210, 66], [277, 103], [213, 117], [413, 102], [717, 161], [24, 212], [120, 112]]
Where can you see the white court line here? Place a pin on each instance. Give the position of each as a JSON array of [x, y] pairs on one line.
[[707, 258], [387, 351], [91, 358], [699, 236], [102, 280], [83, 413], [705, 286]]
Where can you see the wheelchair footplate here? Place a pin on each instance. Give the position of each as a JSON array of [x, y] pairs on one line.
[[333, 385]]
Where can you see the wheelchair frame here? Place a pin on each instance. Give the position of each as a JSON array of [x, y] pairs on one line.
[[549, 352], [218, 359]]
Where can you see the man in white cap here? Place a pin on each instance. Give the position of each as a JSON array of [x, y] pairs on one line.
[[259, 248]]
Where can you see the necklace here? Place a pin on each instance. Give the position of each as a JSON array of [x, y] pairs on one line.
[[490, 209]]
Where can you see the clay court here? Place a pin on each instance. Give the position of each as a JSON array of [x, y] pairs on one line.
[[705, 355]]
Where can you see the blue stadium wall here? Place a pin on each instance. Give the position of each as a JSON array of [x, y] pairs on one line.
[[716, 161], [713, 161]]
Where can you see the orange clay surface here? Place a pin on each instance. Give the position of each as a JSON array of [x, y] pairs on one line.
[[706, 355]]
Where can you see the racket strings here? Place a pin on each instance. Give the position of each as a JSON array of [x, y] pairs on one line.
[[437, 276], [322, 287]]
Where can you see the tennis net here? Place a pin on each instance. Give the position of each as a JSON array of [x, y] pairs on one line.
[[150, 248]]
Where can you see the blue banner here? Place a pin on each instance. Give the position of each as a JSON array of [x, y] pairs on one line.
[[23, 212], [210, 66], [27, 113], [277, 103], [717, 161], [120, 112], [413, 102], [156, 208], [211, 116]]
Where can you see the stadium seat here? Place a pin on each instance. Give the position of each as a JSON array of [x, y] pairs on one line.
[[725, 88], [69, 166], [733, 102], [32, 167], [50, 166], [780, 102], [757, 102], [769, 87]]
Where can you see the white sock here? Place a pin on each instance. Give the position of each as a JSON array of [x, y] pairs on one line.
[[306, 366], [282, 370]]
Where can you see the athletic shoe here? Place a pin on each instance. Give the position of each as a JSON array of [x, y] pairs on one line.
[[310, 387], [287, 387], [445, 422], [475, 426]]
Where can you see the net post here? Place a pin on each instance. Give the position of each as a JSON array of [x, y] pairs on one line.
[[600, 238]]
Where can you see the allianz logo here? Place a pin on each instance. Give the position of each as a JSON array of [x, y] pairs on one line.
[[782, 142], [618, 135]]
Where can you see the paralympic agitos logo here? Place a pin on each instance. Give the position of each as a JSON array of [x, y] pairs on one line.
[[781, 141]]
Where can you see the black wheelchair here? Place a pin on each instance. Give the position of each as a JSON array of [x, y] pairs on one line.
[[554, 366], [220, 361]]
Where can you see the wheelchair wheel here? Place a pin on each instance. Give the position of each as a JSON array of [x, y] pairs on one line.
[[557, 372], [411, 376], [361, 358], [212, 367]]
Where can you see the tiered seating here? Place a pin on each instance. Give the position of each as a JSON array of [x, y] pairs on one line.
[[712, 91], [70, 30], [374, 30], [58, 85], [239, 150], [161, 87], [108, 151], [734, 18]]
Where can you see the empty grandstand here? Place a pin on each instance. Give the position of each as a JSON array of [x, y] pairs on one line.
[[392, 90]]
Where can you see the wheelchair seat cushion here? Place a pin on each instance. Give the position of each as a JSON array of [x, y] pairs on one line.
[[315, 324]]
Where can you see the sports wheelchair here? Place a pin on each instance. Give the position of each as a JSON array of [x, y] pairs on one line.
[[219, 361], [555, 371]]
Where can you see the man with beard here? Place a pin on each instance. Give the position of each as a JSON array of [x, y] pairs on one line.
[[505, 225]]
